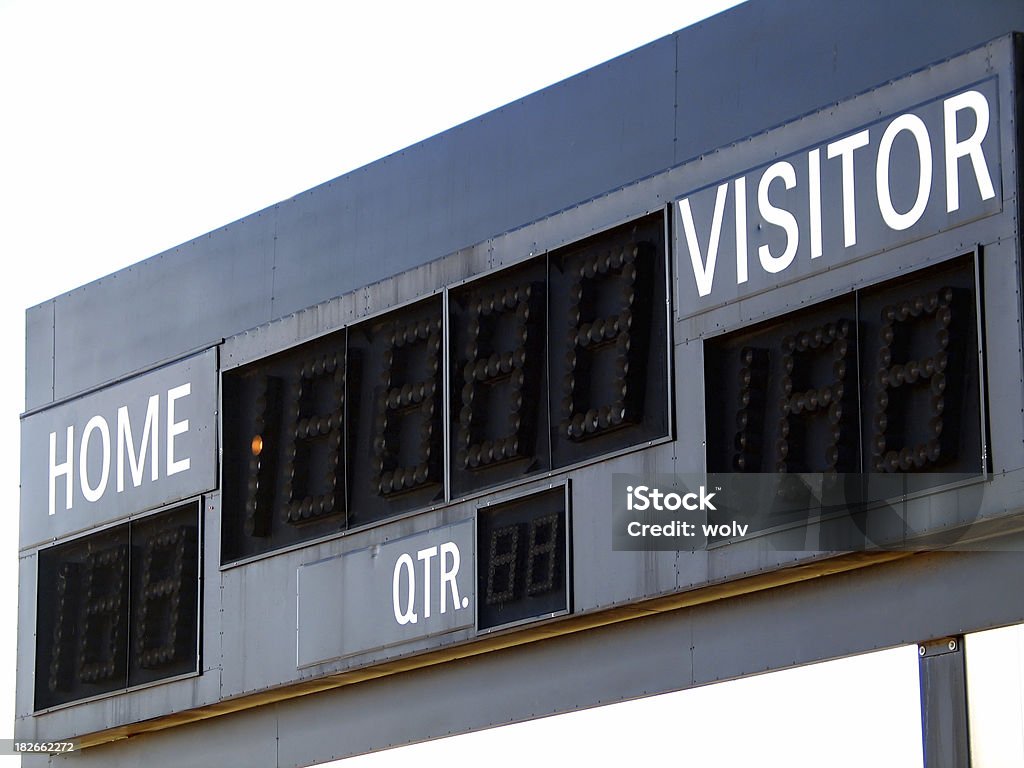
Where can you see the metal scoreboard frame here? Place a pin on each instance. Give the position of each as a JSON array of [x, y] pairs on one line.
[[733, 377]]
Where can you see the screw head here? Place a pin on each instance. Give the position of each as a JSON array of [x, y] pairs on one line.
[[952, 645], [921, 650]]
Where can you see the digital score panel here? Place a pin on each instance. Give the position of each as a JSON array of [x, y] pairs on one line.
[[397, 418], [499, 377], [609, 342], [285, 446], [886, 379], [118, 608], [557, 360], [523, 559]]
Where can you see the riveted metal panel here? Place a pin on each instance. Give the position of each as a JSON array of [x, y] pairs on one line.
[[249, 740], [39, 355], [767, 48], [178, 301], [388, 594], [798, 624]]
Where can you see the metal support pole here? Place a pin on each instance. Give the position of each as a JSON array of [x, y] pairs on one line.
[[944, 704]]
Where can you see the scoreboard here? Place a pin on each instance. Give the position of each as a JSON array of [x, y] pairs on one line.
[[807, 344]]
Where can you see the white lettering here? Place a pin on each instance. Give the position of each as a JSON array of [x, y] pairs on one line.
[[705, 499], [66, 469], [425, 556], [814, 200], [93, 493], [704, 271], [175, 428], [448, 573], [778, 216], [844, 148], [741, 230], [729, 530], [408, 616], [916, 127], [969, 147], [638, 498], [125, 442], [641, 502]]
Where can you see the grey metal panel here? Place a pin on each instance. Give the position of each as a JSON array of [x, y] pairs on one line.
[[39, 355], [244, 741], [387, 594], [211, 598], [257, 626], [263, 594], [194, 442], [761, 63], [25, 669], [602, 577], [536, 680], [341, 311], [944, 703], [938, 594], [577, 139], [183, 299]]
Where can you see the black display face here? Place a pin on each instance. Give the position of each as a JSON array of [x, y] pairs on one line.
[[523, 562], [608, 343], [396, 413], [883, 380], [118, 608], [558, 360], [285, 446], [499, 388]]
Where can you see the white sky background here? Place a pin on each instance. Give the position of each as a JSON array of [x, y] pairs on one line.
[[127, 128]]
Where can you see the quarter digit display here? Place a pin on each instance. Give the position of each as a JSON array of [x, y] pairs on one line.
[[523, 569]]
